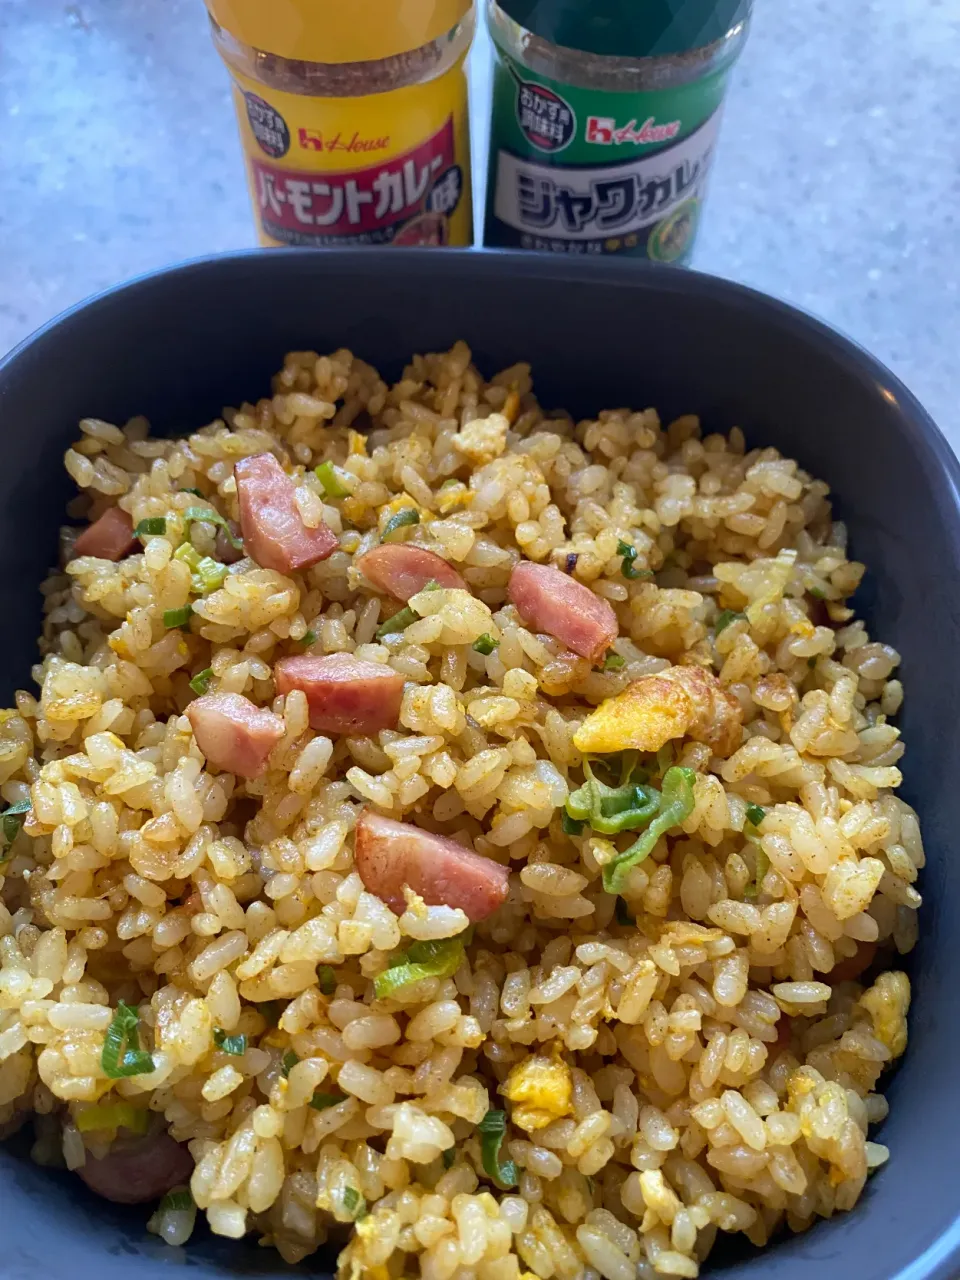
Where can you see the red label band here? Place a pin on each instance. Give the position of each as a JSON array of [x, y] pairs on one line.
[[422, 186]]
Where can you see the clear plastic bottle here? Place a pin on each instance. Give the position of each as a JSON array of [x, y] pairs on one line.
[[353, 117], [605, 120]]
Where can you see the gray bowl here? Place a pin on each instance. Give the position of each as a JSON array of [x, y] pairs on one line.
[[180, 344]]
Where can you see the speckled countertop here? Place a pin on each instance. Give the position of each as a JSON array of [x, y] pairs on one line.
[[837, 183]]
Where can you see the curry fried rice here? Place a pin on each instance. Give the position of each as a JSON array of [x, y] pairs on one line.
[[455, 833]]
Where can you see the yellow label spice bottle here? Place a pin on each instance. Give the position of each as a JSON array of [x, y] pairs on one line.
[[353, 117]]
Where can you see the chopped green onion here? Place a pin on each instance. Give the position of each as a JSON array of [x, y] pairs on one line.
[[724, 619], [271, 1011], [321, 1101], [12, 820], [209, 576], [675, 805], [201, 681], [189, 554], [755, 814], [450, 1154], [613, 662], [665, 757], [818, 593], [492, 1128], [627, 568], [152, 527], [117, 1115], [570, 826], [122, 1055], [175, 1217], [622, 915], [176, 1202], [214, 517], [329, 477], [290, 1060], [399, 622], [763, 866], [755, 887], [400, 520], [234, 1045], [308, 638], [436, 959], [327, 979], [611, 810], [630, 770], [177, 617], [354, 1203], [485, 644]]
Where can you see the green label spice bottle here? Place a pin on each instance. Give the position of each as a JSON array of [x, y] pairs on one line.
[[605, 121]]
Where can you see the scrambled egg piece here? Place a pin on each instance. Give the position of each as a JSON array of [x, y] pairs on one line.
[[800, 1083], [353, 509], [356, 443], [365, 1234], [887, 1003], [650, 712], [451, 496], [483, 439], [541, 1090], [119, 646]]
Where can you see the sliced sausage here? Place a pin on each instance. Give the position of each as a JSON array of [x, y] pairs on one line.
[[344, 694], [390, 854], [233, 733], [274, 535], [856, 965], [109, 538], [550, 601], [401, 570], [136, 1170]]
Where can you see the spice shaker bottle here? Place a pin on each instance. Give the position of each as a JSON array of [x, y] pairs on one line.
[[605, 120], [353, 117]]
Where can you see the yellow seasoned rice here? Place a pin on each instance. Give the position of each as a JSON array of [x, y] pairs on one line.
[[696, 1058]]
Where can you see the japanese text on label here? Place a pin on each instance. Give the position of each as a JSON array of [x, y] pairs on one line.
[[359, 204], [593, 203]]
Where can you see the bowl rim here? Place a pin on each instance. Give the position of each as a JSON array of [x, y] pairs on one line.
[[941, 465], [609, 272]]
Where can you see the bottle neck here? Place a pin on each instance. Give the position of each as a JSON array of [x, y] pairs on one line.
[[585, 70], [346, 79]]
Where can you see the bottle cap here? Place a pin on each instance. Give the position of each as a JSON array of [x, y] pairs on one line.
[[629, 28], [337, 30]]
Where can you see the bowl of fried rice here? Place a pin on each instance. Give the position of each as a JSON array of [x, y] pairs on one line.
[[473, 732]]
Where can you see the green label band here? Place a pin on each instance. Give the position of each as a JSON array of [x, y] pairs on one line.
[[585, 171]]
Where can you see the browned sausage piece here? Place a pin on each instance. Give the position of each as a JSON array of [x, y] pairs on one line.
[[854, 966], [136, 1170], [401, 569], [344, 694], [392, 854], [274, 536], [551, 601], [109, 538], [233, 733]]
